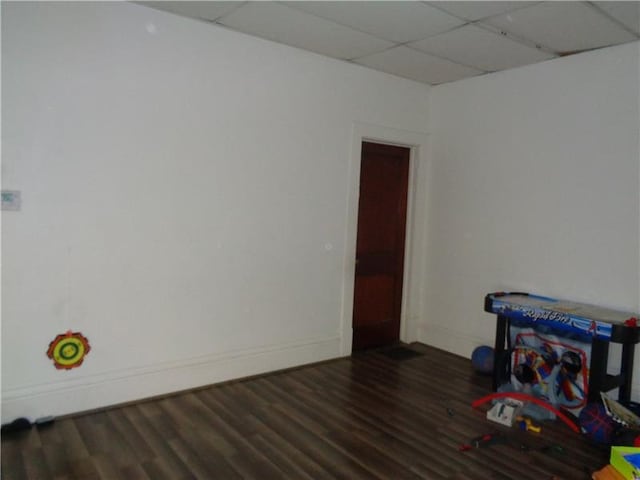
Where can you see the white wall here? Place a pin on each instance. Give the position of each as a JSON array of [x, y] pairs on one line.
[[188, 198], [185, 198], [534, 187]]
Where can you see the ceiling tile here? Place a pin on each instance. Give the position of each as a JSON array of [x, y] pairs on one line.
[[440, 43], [398, 21], [479, 48], [627, 13], [422, 67], [477, 10], [203, 10], [565, 27], [282, 24]]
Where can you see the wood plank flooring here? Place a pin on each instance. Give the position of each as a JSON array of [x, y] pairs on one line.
[[363, 417]]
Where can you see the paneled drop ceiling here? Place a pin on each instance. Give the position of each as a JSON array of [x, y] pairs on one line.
[[430, 42]]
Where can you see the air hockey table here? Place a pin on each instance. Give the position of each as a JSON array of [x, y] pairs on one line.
[[601, 326]]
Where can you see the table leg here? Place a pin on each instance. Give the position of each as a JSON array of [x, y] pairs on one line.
[[499, 351], [626, 372], [598, 368]]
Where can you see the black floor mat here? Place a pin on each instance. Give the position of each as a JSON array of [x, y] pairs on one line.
[[400, 353]]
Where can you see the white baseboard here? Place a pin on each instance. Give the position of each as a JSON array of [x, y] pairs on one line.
[[112, 388]]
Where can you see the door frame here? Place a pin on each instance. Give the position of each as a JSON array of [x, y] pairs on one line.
[[415, 258]]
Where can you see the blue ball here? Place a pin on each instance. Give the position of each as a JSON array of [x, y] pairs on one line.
[[482, 359], [596, 424]]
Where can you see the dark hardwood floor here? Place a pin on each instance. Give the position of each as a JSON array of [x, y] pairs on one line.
[[365, 417]]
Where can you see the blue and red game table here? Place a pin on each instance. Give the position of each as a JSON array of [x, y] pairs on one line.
[[597, 325]]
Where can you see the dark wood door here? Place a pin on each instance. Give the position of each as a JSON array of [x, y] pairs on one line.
[[382, 213]]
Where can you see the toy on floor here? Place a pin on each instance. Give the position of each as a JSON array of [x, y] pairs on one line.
[[17, 425], [626, 416], [527, 425], [482, 441], [482, 359], [527, 398], [505, 411], [596, 424]]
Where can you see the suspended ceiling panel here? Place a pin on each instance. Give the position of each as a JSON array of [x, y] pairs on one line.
[[422, 67], [430, 42], [477, 10], [399, 23], [627, 13], [280, 23], [481, 49], [201, 10], [563, 26]]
